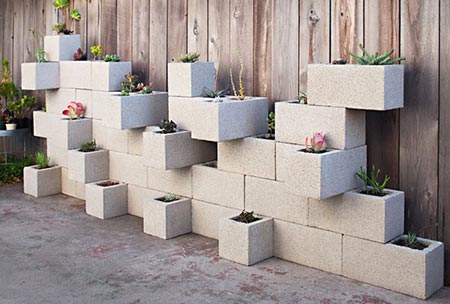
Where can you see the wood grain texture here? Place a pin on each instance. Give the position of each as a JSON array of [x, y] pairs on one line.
[[94, 26], [29, 45], [80, 27], [158, 45], [2, 27], [176, 29], [124, 28], [108, 30], [19, 11], [197, 34], [140, 39]]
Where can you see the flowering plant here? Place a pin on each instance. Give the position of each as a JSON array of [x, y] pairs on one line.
[[317, 142], [75, 110]]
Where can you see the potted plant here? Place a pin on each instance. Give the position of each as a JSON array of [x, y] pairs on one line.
[[74, 128], [20, 108], [246, 239], [88, 164], [11, 122], [168, 216], [42, 179], [8, 90], [106, 199], [40, 75]]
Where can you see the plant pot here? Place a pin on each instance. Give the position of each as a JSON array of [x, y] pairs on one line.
[[88, 167], [106, 202], [11, 126], [41, 182], [61, 47], [72, 133], [189, 79], [40, 76], [107, 76]]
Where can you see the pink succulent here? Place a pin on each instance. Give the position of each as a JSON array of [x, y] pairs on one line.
[[74, 110], [140, 86], [317, 142]]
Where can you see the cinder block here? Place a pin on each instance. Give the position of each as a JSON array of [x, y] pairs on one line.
[[107, 76], [167, 220], [220, 121], [323, 175], [250, 156], [136, 198], [283, 168], [41, 182], [135, 141], [178, 181], [206, 218], [308, 246], [375, 218], [212, 185], [100, 100], [127, 168], [418, 273], [109, 138], [40, 76], [246, 244], [71, 187], [57, 100], [75, 74], [274, 199], [57, 154], [44, 123], [88, 167], [61, 47], [344, 129], [106, 202], [85, 96], [175, 150], [189, 79], [70, 134], [366, 87]]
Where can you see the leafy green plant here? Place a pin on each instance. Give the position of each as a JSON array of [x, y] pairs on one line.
[[246, 217], [189, 58], [241, 95], [21, 107], [169, 198], [60, 28], [8, 90], [271, 125], [213, 93], [376, 59], [41, 56], [143, 89], [12, 168], [97, 51], [112, 58], [168, 126], [79, 55], [302, 98], [89, 146], [42, 161], [371, 184], [73, 16], [129, 84]]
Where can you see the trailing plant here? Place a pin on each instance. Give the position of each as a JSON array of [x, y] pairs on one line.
[[271, 125], [317, 142], [79, 55], [75, 110], [112, 58], [213, 93], [41, 56], [169, 198], [21, 107], [302, 98], [370, 180], [168, 126], [246, 217], [89, 146], [129, 84], [97, 51], [376, 59], [42, 161], [189, 58], [241, 95]]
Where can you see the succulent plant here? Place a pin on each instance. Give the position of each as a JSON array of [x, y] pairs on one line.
[[129, 84], [75, 110], [73, 16], [169, 198], [41, 55], [213, 93], [302, 98], [97, 51], [189, 58], [271, 125], [89, 146], [317, 142], [112, 58], [246, 217], [376, 59], [241, 95], [371, 179], [79, 55], [42, 161], [411, 239], [168, 126]]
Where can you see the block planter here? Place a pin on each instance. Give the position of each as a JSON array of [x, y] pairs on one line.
[[40, 76], [107, 76], [344, 129], [167, 220], [45, 124], [41, 182], [356, 86], [246, 244], [175, 150], [376, 218], [88, 167], [106, 202], [324, 175], [72, 133], [220, 121], [75, 74], [61, 47], [418, 273], [136, 110], [189, 79]]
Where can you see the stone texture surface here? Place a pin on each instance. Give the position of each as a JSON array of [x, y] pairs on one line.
[[71, 187], [250, 156], [99, 100], [109, 138], [374, 218], [85, 96], [282, 151], [61, 47], [127, 168], [189, 79], [57, 100], [41, 182], [418, 273], [246, 244], [72, 133], [167, 220], [75, 74], [136, 141], [137, 196], [88, 167], [356, 86], [40, 76], [44, 124], [106, 202], [107, 76], [178, 181], [343, 128], [57, 155]]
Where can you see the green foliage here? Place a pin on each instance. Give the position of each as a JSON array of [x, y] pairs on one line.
[[129, 84], [97, 51], [246, 217], [61, 4], [241, 95], [75, 15], [168, 126], [371, 180], [144, 89], [189, 58], [169, 198], [112, 58], [213, 93], [89, 146], [41, 56], [411, 239], [271, 124], [376, 59], [302, 98], [59, 28], [21, 107], [42, 161], [12, 171], [7, 88]]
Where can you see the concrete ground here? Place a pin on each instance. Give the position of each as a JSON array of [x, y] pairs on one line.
[[52, 252]]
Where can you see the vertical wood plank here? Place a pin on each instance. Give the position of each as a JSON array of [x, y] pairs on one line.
[[9, 32], [51, 17], [81, 26], [108, 28], [18, 40], [177, 28], [198, 28], [158, 44], [124, 28], [419, 119], [93, 28], [28, 43], [140, 42], [2, 26]]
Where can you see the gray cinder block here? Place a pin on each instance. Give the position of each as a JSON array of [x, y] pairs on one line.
[[107, 76], [40, 76], [177, 181], [106, 202], [88, 167], [127, 168], [41, 182], [61, 47], [72, 133], [75, 74], [189, 79]]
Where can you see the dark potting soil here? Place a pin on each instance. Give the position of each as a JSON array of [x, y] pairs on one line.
[[108, 184], [246, 217], [418, 245], [161, 199], [372, 194], [312, 152]]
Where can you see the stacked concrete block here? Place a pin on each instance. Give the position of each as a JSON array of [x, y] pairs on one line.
[[57, 155], [41, 182], [190, 79], [88, 167], [107, 76], [137, 196], [85, 96], [136, 141], [108, 138], [282, 151], [106, 202], [71, 187], [75, 74], [178, 181], [40, 76], [72, 133], [127, 168], [61, 47], [44, 124], [57, 100]]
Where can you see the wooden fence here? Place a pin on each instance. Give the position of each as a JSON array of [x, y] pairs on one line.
[[277, 39]]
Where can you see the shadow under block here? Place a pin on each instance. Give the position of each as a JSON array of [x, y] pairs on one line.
[[364, 87], [190, 79], [220, 121], [244, 243], [106, 202], [137, 196], [107, 76], [42, 182], [343, 128], [40, 76], [88, 167], [61, 47]]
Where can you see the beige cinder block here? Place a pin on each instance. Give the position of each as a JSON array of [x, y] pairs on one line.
[[109, 138], [71, 187], [220, 121], [283, 168], [343, 129], [75, 74], [376, 218], [127, 168], [136, 141], [72, 133], [106, 202], [88, 167], [40, 76], [418, 273], [57, 154], [246, 244], [212, 185], [61, 47], [189, 79], [85, 96], [250, 156], [136, 198], [167, 220], [308, 246], [57, 100], [275, 199], [177, 181], [44, 124], [366, 87], [41, 182], [107, 76]]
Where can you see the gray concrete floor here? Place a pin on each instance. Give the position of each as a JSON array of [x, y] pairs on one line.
[[52, 252]]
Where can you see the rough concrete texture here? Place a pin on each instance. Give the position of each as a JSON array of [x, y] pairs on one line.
[[106, 202], [374, 218], [343, 129], [136, 198], [85, 96], [324, 175], [212, 185], [61, 47], [40, 76], [167, 220], [58, 156], [44, 124], [175, 150], [71, 187], [57, 100], [282, 151], [275, 199], [41, 182], [88, 167], [246, 244], [250, 156], [135, 141], [189, 79], [220, 121], [418, 273], [75, 74], [99, 100], [72, 133], [107, 76], [109, 138], [356, 86], [127, 168], [178, 181], [52, 252]]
